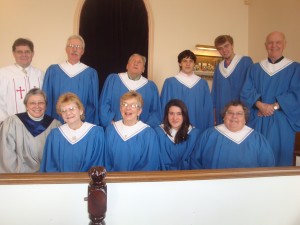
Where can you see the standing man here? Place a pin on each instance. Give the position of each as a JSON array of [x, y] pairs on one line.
[[192, 90], [272, 91], [16, 80], [229, 75], [118, 84], [73, 76]]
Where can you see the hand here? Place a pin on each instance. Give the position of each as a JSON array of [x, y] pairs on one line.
[[264, 109]]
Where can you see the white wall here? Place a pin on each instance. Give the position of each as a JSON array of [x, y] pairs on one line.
[[244, 201], [178, 25]]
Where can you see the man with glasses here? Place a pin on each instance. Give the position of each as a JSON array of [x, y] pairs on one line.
[[17, 79], [73, 76]]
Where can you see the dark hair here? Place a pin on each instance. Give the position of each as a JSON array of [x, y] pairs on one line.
[[222, 39], [186, 54], [237, 103], [182, 133], [23, 42]]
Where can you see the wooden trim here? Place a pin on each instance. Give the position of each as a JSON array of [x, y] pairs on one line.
[[157, 176]]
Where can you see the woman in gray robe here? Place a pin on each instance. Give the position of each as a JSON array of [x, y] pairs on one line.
[[23, 135]]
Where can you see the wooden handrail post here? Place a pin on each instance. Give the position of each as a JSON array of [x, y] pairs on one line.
[[97, 195]]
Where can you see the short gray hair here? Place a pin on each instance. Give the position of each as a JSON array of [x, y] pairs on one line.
[[76, 36], [34, 91]]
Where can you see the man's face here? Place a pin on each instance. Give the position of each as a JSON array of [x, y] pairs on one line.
[[135, 66], [275, 44], [226, 50], [23, 55], [187, 66], [74, 50]]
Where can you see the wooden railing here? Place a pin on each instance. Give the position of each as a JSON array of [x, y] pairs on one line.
[[121, 177]]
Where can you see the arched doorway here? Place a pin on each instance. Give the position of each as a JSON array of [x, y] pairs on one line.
[[113, 30]]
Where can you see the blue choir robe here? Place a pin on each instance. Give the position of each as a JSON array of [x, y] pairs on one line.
[[22, 141], [131, 148], [194, 92], [79, 79], [228, 82], [220, 148], [271, 83], [68, 150], [176, 156], [118, 84]]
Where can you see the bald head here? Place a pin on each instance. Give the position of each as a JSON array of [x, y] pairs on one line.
[[275, 44]]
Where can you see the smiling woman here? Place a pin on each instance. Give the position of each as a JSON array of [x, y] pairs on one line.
[[22, 136]]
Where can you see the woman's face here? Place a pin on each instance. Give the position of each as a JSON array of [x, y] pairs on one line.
[[234, 118], [36, 106], [130, 111], [175, 117], [71, 114]]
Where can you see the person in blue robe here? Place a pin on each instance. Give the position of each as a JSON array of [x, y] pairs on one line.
[[23, 136], [76, 146], [73, 76], [192, 90], [177, 137], [229, 75], [272, 92], [232, 144], [131, 145], [118, 84]]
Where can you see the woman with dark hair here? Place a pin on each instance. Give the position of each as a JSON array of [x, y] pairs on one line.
[[232, 144], [177, 137]]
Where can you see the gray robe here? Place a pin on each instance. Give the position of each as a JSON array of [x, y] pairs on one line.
[[20, 151]]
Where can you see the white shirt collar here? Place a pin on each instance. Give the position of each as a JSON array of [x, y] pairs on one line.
[[237, 137], [188, 80], [74, 136], [127, 132], [72, 70], [272, 69], [132, 84], [226, 72], [173, 132]]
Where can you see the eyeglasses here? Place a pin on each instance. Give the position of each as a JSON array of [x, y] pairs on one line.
[[40, 104], [239, 114], [130, 105], [70, 109], [74, 46]]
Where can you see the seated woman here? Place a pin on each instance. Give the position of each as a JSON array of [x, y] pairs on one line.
[[23, 136], [232, 144], [131, 145], [177, 137], [75, 146]]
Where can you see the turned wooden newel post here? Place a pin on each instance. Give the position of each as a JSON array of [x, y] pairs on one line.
[[97, 198]]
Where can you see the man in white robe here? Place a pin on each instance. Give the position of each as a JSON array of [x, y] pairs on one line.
[[17, 79]]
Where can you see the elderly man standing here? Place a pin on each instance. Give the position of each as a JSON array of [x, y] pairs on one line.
[[16, 80], [73, 76], [118, 84], [272, 91]]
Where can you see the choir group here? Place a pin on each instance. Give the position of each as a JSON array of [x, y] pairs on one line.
[[60, 122]]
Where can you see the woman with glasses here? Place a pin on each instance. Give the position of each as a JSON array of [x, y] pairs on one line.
[[23, 135], [177, 137], [131, 145], [75, 146], [232, 144]]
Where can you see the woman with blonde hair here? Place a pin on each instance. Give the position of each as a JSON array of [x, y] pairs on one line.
[[75, 146]]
